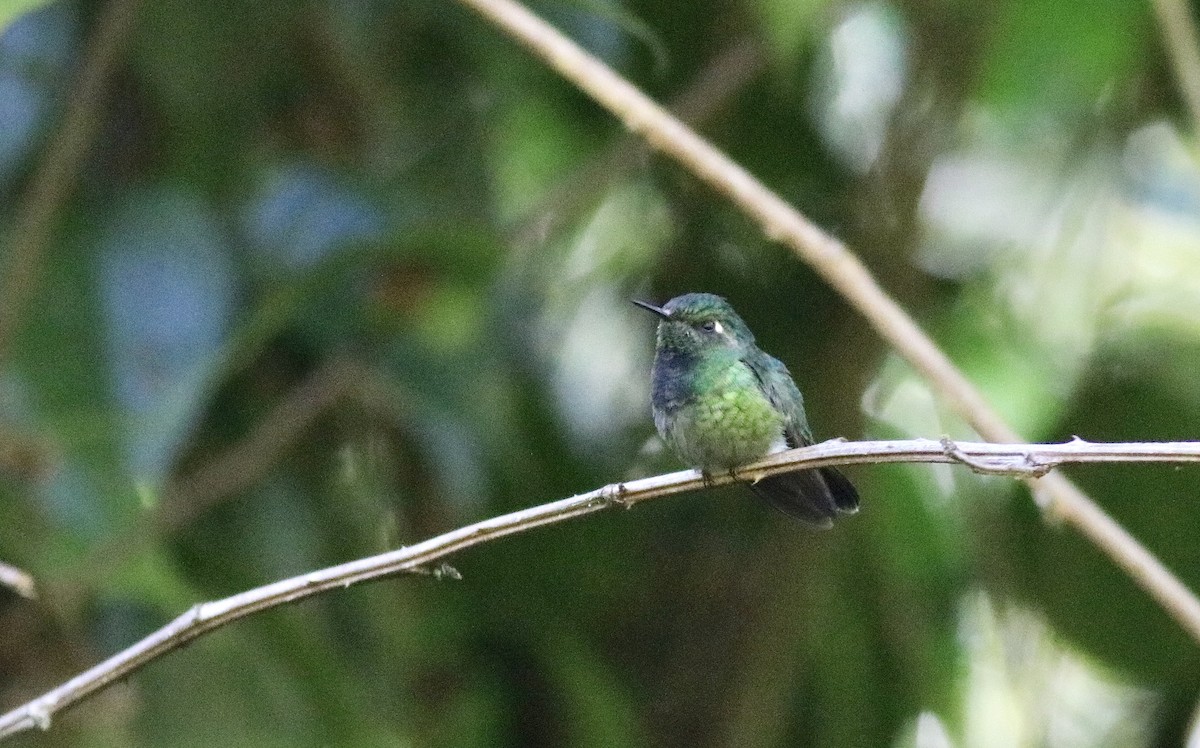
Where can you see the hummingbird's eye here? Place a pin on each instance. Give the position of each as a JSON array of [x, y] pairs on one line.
[[709, 325]]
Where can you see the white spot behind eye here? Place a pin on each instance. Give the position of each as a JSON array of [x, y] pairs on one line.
[[718, 328]]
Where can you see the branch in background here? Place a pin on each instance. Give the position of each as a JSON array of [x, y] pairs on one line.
[[1023, 460], [237, 468], [720, 81], [24, 456], [18, 581], [1183, 47], [247, 462], [781, 222], [244, 464], [53, 182]]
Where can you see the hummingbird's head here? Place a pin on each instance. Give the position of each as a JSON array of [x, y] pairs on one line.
[[696, 322]]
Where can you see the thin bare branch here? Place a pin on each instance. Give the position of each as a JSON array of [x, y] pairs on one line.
[[1183, 47], [54, 180], [1005, 459], [17, 580], [1058, 497], [724, 77]]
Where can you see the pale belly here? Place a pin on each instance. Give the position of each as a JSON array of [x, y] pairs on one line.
[[729, 425]]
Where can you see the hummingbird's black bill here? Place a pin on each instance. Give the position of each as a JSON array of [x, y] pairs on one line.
[[651, 308]]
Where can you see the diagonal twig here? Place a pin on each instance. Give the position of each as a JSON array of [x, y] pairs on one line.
[[724, 77], [237, 468], [847, 275], [1183, 49], [1013, 459], [54, 180], [17, 580]]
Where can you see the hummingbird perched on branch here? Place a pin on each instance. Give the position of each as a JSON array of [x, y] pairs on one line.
[[721, 402]]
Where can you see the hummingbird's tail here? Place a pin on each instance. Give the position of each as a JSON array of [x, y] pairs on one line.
[[815, 497]]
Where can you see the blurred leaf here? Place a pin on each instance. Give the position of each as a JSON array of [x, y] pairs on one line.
[[398, 189], [1086, 597], [635, 27], [790, 25], [63, 385], [168, 291], [11, 10], [1059, 57], [302, 215], [35, 68], [598, 712], [213, 72]]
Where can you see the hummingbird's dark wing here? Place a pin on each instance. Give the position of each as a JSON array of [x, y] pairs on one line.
[[813, 496], [781, 391]]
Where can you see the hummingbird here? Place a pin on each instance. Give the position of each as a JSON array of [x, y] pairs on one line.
[[719, 401]]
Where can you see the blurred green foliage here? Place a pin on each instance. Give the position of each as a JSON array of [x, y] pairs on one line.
[[338, 277]]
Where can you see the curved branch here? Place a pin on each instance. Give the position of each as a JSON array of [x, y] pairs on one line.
[[54, 180], [1183, 49], [17, 580], [1021, 460], [724, 77], [846, 274]]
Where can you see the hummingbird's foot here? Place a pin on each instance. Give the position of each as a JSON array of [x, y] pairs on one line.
[[710, 481], [736, 478]]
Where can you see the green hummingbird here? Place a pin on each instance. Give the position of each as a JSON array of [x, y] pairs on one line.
[[721, 402]]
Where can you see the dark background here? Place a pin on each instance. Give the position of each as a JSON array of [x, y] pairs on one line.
[[337, 277]]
